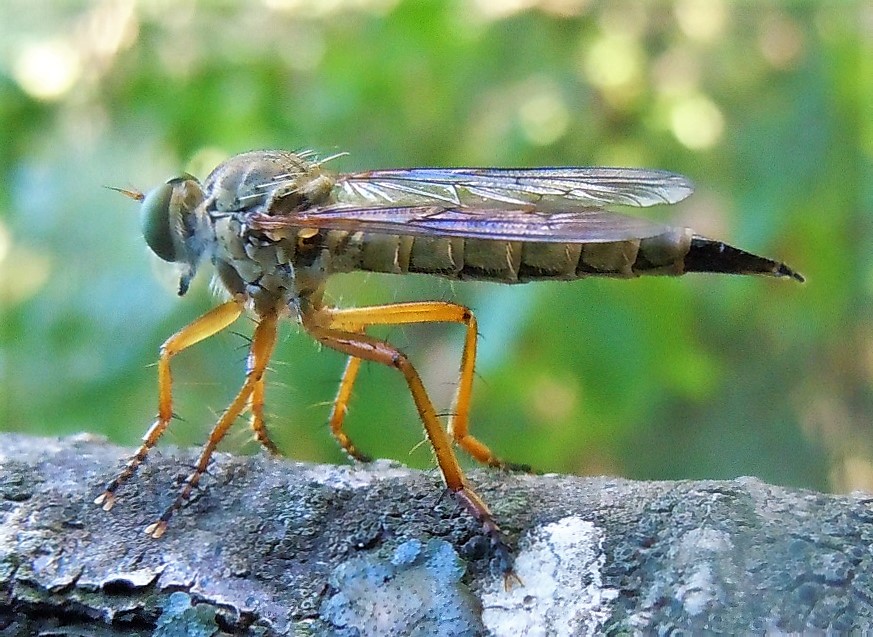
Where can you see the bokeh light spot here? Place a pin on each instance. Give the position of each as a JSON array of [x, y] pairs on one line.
[[697, 122], [613, 61], [544, 118], [780, 41], [47, 70], [23, 271], [701, 20]]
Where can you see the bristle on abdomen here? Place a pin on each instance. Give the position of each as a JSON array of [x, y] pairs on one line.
[[707, 255]]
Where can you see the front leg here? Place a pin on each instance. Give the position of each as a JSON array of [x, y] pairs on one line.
[[207, 325], [263, 342], [341, 408], [257, 422]]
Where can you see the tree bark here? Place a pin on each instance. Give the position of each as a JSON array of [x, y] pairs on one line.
[[269, 546]]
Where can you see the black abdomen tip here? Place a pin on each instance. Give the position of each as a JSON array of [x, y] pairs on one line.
[[706, 255]]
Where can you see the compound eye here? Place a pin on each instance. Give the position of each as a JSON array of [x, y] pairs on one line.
[[169, 220], [160, 224]]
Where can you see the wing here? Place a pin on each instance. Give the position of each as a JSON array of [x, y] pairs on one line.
[[553, 205], [547, 188], [591, 225]]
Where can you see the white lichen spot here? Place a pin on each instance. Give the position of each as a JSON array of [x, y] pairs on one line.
[[694, 556], [696, 593], [562, 591], [358, 476]]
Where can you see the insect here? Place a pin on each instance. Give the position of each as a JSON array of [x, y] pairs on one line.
[[277, 224]]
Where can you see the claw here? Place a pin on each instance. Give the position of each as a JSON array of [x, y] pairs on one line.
[[511, 580], [156, 529], [105, 500]]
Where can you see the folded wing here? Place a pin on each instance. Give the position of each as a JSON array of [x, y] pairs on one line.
[[553, 205]]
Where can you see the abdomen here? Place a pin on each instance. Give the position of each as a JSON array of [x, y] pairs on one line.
[[505, 261], [674, 252]]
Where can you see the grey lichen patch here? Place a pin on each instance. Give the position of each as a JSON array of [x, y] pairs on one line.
[[180, 618], [417, 591], [738, 557]]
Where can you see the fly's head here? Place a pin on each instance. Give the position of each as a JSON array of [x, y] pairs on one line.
[[174, 224]]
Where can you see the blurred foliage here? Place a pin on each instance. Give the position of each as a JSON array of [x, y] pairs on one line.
[[767, 106]]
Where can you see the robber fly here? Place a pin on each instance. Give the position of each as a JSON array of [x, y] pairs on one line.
[[277, 224]]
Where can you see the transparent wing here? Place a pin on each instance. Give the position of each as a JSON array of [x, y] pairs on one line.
[[547, 188], [583, 225]]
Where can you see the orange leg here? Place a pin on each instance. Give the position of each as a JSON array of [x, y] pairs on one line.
[[335, 334], [256, 404], [263, 342], [357, 319], [207, 325], [341, 407]]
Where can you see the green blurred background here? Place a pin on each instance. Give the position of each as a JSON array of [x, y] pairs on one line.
[[766, 106]]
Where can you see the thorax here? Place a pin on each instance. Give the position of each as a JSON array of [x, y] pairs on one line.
[[275, 271]]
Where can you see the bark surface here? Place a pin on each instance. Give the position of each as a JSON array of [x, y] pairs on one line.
[[269, 546]]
